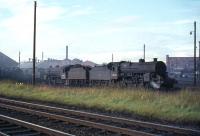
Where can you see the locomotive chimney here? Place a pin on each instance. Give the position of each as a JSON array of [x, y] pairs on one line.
[[66, 52], [141, 60], [155, 59]]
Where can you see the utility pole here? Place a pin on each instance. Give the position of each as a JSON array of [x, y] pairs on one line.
[[34, 42], [199, 51], [19, 58], [195, 82], [144, 52], [199, 63]]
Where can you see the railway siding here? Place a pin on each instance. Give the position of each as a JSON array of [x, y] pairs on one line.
[[101, 117], [154, 126]]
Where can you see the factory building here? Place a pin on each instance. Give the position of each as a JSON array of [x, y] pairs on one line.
[[182, 68], [50, 68], [179, 64], [54, 63]]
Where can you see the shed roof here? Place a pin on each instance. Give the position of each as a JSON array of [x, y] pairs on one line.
[[6, 61]]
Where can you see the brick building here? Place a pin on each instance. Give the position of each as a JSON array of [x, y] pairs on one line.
[[182, 67], [178, 64]]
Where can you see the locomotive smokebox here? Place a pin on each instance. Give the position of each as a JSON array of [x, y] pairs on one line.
[[161, 69], [141, 60]]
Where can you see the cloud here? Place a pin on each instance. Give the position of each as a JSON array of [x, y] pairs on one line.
[[78, 11], [76, 6], [95, 38], [183, 22], [184, 50], [106, 57], [17, 29], [126, 19], [23, 17], [47, 14]]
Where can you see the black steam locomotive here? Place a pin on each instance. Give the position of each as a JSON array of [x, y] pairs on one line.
[[148, 74]]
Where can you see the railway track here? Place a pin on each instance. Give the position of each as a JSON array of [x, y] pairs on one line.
[[112, 124], [14, 127]]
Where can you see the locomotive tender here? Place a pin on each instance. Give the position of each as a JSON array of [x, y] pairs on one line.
[[148, 74], [76, 75]]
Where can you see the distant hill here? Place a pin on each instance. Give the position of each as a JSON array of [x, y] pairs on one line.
[[6, 61]]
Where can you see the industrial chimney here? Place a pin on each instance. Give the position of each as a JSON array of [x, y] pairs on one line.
[[42, 56], [66, 52]]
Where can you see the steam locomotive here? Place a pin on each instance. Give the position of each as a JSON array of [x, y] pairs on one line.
[[149, 74]]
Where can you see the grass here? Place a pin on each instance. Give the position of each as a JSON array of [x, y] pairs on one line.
[[181, 106]]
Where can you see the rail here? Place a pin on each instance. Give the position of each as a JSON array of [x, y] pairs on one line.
[[31, 126], [143, 124], [78, 121]]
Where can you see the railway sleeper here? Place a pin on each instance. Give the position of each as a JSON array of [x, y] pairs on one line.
[[31, 134], [10, 128], [18, 131], [149, 127], [6, 125]]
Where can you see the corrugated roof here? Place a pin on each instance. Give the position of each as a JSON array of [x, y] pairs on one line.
[[25, 65]]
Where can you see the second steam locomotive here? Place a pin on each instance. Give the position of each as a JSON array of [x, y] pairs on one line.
[[149, 74]]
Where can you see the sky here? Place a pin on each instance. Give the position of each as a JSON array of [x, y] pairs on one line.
[[96, 29]]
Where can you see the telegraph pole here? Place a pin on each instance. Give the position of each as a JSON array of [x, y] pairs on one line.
[[199, 51], [195, 82], [144, 52], [34, 42], [199, 65], [19, 58]]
